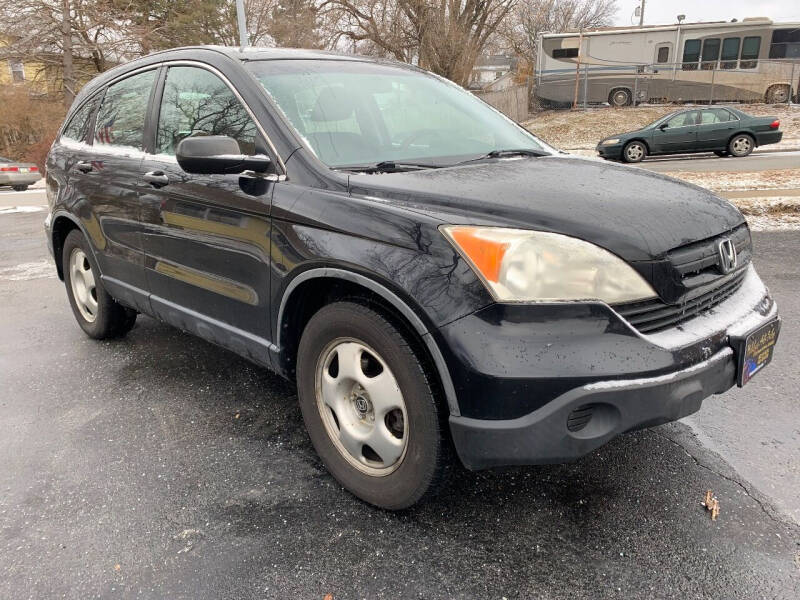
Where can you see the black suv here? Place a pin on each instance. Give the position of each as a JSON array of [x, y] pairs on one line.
[[431, 274]]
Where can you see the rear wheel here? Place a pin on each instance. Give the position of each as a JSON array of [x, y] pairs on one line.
[[634, 152], [97, 313], [741, 145], [369, 406], [778, 94], [620, 97], [19, 188]]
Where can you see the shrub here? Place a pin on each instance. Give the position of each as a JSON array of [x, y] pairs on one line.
[[28, 125]]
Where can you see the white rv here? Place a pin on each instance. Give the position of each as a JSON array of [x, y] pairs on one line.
[[751, 60]]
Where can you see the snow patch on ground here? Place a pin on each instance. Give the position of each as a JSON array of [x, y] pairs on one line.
[[27, 271], [20, 209]]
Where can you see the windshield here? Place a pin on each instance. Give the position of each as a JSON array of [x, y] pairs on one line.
[[353, 113]]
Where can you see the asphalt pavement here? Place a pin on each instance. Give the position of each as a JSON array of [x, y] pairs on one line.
[[162, 466], [701, 163]]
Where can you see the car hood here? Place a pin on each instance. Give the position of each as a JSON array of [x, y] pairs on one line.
[[634, 213]]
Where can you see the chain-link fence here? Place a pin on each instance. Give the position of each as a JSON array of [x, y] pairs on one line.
[[773, 81]]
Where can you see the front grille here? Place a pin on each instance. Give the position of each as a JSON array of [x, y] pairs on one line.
[[697, 264], [654, 315]]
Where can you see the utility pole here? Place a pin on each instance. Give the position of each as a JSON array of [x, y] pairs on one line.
[[244, 41], [641, 15]]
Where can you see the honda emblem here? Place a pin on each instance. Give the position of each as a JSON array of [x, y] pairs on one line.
[[727, 256]]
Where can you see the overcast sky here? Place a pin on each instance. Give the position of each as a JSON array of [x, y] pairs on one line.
[[659, 12]]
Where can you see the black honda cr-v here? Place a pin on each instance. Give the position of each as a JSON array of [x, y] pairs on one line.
[[431, 274]]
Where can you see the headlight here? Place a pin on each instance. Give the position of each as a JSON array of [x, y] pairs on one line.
[[536, 266], [609, 142]]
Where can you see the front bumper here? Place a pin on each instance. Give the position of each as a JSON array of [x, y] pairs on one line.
[[562, 388], [10, 178], [613, 152]]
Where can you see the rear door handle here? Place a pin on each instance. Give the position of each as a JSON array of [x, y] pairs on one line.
[[83, 166], [156, 178]]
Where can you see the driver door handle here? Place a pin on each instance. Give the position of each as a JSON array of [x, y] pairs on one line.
[[83, 166], [156, 178]]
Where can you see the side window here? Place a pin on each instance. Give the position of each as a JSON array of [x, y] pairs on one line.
[[683, 119], [120, 120], [710, 53], [750, 49], [663, 55], [565, 52], [730, 52], [691, 54], [78, 127], [197, 102], [714, 115], [785, 43]]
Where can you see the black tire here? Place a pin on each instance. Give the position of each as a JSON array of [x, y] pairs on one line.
[[19, 188], [111, 319], [721, 153], [634, 152], [778, 94], [421, 468], [741, 145], [620, 97]]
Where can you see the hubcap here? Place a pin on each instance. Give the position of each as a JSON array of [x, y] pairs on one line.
[[741, 145], [780, 95], [620, 98], [361, 406], [84, 290], [635, 152]]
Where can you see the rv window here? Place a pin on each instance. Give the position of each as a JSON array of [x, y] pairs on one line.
[[710, 53], [730, 53], [750, 48], [663, 54], [785, 43], [691, 54], [565, 52]]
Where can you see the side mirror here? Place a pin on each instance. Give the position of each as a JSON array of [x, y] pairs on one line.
[[663, 126], [217, 155]]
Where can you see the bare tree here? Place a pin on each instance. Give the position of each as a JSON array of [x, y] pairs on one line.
[[531, 18], [444, 36]]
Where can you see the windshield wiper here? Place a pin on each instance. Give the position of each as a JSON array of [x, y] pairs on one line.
[[388, 166], [503, 154]]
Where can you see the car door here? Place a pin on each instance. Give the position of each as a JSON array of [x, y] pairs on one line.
[[714, 129], [677, 134], [110, 174], [206, 237]]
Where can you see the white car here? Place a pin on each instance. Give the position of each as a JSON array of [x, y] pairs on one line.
[[18, 175]]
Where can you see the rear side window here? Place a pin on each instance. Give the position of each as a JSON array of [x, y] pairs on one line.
[[120, 120], [197, 102], [714, 115], [78, 127], [750, 49]]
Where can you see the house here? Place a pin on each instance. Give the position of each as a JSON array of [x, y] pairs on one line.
[[489, 68]]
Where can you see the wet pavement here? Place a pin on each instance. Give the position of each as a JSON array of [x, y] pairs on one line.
[[161, 466]]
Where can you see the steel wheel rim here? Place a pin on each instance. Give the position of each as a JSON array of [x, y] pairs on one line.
[[634, 152], [780, 95], [741, 145], [83, 284], [361, 406]]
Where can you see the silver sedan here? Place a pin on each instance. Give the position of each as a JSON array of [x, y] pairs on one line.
[[18, 175]]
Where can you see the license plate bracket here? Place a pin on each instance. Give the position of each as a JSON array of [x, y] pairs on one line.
[[754, 350]]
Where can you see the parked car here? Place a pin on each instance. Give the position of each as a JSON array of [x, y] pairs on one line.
[[430, 274], [18, 175], [723, 130]]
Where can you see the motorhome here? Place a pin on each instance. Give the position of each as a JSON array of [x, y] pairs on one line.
[[752, 60]]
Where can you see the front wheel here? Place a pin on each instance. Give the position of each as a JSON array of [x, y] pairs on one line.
[[97, 313], [369, 406], [741, 145], [634, 152]]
